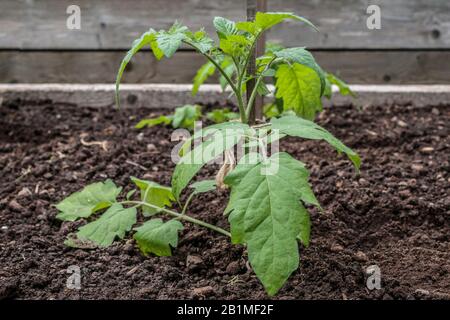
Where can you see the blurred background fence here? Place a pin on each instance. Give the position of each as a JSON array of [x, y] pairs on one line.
[[412, 46]]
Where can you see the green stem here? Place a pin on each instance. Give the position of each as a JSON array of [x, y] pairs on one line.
[[241, 106], [252, 97], [187, 203], [236, 65], [247, 59], [241, 74], [181, 217], [230, 82], [255, 90]]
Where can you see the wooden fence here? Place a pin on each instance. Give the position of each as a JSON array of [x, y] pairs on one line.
[[412, 46]]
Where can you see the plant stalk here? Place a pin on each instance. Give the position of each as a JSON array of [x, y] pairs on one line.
[[181, 217], [230, 82], [187, 203], [255, 89]]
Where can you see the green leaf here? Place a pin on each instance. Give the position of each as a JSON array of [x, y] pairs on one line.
[[157, 237], [185, 117], [229, 69], [344, 88], [216, 139], [298, 127], [262, 89], [92, 198], [271, 110], [303, 57], [272, 47], [300, 88], [265, 212], [235, 45], [247, 26], [266, 20], [224, 27], [328, 92], [203, 186], [170, 41], [115, 222], [203, 73], [157, 195], [305, 232], [130, 194], [148, 38], [153, 122], [200, 40], [222, 115]]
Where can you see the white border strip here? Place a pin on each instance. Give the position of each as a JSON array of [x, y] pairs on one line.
[[172, 95]]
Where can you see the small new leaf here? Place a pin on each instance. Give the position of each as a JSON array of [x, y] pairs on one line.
[[222, 115], [200, 40], [235, 45], [156, 236], [203, 186], [185, 116], [92, 198], [224, 27], [157, 195], [203, 73], [247, 26], [166, 120], [343, 87], [170, 41], [115, 222]]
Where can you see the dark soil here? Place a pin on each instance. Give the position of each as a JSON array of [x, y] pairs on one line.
[[395, 215]]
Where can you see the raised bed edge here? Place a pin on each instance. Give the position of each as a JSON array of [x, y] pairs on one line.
[[172, 95]]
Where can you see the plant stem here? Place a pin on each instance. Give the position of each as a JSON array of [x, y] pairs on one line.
[[230, 82], [181, 217], [255, 89], [247, 59], [241, 74], [187, 203]]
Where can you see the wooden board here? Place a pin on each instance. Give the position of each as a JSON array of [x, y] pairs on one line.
[[114, 24], [170, 95], [378, 67]]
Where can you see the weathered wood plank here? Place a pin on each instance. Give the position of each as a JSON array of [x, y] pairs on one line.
[[113, 24], [170, 96], [95, 67], [422, 67]]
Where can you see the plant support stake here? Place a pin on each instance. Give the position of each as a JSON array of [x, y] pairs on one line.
[[254, 6]]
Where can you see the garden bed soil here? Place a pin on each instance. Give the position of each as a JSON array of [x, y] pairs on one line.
[[395, 214]]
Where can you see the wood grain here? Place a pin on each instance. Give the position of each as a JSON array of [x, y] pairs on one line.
[[114, 24], [170, 96], [359, 67]]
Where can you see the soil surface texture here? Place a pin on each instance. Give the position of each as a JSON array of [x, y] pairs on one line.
[[394, 215]]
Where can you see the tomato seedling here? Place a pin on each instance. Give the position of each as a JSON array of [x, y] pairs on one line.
[[183, 117], [266, 210]]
